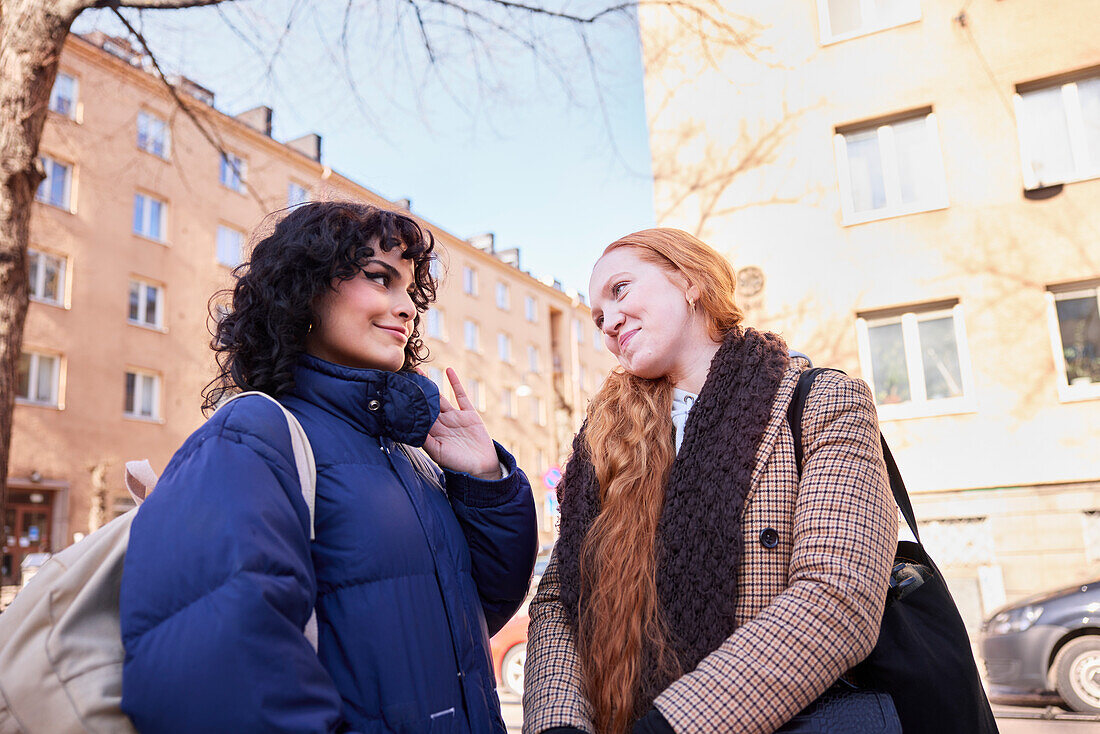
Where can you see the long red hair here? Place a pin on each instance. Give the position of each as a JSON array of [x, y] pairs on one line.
[[630, 441]]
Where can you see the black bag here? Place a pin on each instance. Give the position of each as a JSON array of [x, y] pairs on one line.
[[845, 709], [923, 657]]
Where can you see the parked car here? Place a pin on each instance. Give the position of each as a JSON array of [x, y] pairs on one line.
[[509, 645], [1046, 644], [509, 649]]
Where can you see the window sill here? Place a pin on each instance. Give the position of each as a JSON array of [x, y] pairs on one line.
[[1078, 393], [154, 240], [831, 40], [1093, 176], [161, 158], [59, 207], [36, 404], [148, 327], [143, 419], [240, 191], [877, 215], [73, 118], [927, 409], [48, 302]]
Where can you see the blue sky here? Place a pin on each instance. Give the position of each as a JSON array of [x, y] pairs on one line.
[[537, 152]]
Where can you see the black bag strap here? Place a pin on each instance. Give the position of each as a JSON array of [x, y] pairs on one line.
[[794, 418]]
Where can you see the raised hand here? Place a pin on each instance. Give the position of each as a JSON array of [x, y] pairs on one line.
[[459, 440]]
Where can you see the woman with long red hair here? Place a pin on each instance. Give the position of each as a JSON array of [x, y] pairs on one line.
[[701, 582]]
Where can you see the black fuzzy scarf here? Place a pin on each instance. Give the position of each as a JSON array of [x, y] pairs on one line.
[[699, 540]]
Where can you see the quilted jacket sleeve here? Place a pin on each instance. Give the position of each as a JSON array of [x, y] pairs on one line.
[[552, 695], [498, 520], [217, 586], [828, 617]]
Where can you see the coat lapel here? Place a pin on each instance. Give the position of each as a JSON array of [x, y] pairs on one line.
[[776, 422]]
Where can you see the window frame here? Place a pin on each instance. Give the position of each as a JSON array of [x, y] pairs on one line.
[[1068, 393], [56, 380], [471, 328], [1075, 129], [503, 296], [918, 405], [508, 402], [144, 286], [534, 359], [891, 180], [290, 186], [237, 176], [469, 281], [531, 309], [826, 25], [166, 141], [217, 245], [158, 391], [74, 113], [69, 205], [62, 300], [435, 324], [504, 347], [161, 236]]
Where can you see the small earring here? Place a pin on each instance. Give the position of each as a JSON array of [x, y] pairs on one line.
[[310, 328], [691, 304]]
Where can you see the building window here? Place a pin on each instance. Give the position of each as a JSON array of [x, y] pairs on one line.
[[533, 359], [1059, 132], [508, 402], [38, 378], [152, 134], [63, 96], [233, 171], [436, 375], [841, 19], [142, 395], [296, 194], [597, 338], [436, 325], [470, 336], [504, 347], [435, 268], [56, 188], [578, 331], [146, 304], [582, 376], [538, 411], [890, 169], [230, 246], [469, 281], [1075, 333], [1090, 529], [504, 300], [46, 277], [476, 394], [917, 360], [530, 309], [149, 217]]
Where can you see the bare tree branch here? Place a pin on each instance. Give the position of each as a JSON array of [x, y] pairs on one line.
[[209, 132]]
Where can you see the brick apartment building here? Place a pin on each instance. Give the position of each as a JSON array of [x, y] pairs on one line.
[[140, 221]]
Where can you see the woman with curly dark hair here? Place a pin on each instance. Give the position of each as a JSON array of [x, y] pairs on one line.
[[413, 566]]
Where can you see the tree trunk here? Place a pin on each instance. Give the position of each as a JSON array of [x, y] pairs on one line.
[[32, 33]]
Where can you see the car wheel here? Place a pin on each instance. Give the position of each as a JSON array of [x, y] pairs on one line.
[[1077, 674], [511, 668]]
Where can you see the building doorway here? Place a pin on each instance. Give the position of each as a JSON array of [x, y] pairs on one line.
[[28, 521]]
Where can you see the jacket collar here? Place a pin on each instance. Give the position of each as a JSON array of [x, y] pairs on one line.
[[401, 406]]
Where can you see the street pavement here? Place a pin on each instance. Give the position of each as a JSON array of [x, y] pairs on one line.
[[1010, 719]]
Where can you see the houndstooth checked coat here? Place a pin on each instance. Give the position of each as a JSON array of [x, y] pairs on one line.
[[809, 606]]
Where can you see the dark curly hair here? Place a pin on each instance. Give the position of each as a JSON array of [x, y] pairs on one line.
[[260, 336]]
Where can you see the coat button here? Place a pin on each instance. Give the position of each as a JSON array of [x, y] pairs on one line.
[[373, 405], [769, 538]]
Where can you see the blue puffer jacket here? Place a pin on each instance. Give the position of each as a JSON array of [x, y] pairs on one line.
[[410, 574]]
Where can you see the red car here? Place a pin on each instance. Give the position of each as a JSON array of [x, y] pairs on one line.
[[509, 648]]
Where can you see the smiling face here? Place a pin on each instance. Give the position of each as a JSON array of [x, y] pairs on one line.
[[643, 312], [366, 321]]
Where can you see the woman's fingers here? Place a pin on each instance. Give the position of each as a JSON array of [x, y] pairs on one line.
[[460, 392]]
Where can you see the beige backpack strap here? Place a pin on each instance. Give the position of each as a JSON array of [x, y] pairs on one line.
[[307, 477], [140, 479]]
